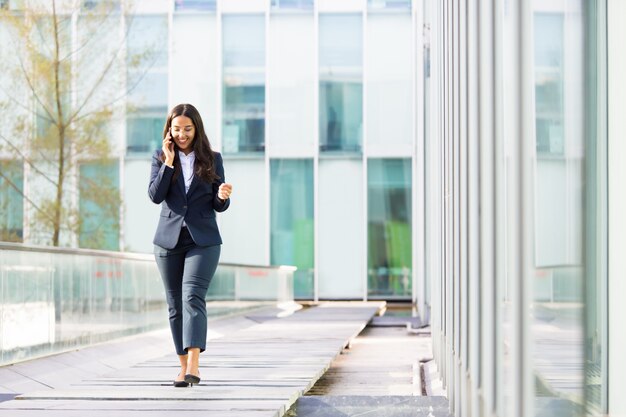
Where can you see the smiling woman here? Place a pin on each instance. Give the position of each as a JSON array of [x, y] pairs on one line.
[[187, 243]]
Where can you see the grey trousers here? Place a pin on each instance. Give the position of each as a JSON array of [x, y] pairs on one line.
[[187, 271]]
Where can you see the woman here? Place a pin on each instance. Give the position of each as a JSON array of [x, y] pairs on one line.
[[187, 179]]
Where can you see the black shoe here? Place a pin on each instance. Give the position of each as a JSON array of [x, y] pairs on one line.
[[181, 384], [192, 379]]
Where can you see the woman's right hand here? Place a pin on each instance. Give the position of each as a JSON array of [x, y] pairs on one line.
[[168, 149]]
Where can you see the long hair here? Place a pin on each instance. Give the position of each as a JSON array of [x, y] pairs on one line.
[[204, 166]]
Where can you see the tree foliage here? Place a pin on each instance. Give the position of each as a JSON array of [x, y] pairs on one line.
[[64, 81]]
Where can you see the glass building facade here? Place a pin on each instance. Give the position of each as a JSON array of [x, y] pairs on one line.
[[517, 217]]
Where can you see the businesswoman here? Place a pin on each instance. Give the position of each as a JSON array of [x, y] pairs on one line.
[[187, 179]]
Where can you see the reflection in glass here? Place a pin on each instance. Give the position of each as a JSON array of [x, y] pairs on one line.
[[341, 82], [11, 201], [292, 241], [389, 227], [557, 323], [243, 128], [549, 83]]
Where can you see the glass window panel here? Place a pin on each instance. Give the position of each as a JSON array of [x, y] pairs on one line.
[[389, 80], [291, 85], [99, 205], [150, 88], [341, 82], [195, 5], [395, 5], [292, 220], [341, 116], [557, 323], [243, 128], [389, 228], [148, 83], [198, 84], [11, 201], [147, 41], [341, 43], [292, 4], [144, 130]]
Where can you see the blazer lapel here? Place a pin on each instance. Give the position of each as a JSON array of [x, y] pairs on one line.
[[194, 183], [181, 183]]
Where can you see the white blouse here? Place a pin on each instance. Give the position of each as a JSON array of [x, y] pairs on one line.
[[186, 163]]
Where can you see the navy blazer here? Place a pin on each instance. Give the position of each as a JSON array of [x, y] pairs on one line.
[[197, 207]]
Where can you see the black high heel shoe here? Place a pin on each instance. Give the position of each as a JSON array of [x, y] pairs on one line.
[[192, 379], [181, 384]]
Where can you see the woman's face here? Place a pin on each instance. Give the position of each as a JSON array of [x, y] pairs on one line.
[[183, 132]]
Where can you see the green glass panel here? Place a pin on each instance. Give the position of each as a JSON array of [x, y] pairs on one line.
[[389, 228], [292, 240]]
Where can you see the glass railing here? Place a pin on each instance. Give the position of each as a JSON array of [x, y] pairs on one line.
[[54, 299]]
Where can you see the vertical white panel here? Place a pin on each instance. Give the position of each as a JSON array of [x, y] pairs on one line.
[[194, 73], [388, 69], [341, 234], [617, 206], [141, 215], [291, 85], [243, 225]]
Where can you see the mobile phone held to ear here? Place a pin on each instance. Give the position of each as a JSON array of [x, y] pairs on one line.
[[174, 146]]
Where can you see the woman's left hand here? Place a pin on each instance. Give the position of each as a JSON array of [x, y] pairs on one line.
[[225, 191]]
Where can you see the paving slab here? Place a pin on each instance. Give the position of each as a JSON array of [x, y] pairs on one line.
[[260, 369]]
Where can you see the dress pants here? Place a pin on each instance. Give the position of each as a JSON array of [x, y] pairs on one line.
[[187, 271]]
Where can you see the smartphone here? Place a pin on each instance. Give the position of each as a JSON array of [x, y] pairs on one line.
[[174, 147]]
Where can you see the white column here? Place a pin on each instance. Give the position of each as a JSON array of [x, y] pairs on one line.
[[617, 205]]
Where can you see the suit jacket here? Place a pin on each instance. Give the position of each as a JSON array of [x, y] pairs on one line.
[[197, 207]]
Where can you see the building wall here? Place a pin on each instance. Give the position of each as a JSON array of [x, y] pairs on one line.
[[280, 83]]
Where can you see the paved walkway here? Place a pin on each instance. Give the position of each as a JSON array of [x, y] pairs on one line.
[[259, 367]]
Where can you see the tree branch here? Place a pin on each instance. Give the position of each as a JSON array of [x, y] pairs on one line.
[[16, 188], [50, 118], [75, 116], [28, 161]]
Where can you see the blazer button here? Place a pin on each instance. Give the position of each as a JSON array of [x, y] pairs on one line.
[[185, 207]]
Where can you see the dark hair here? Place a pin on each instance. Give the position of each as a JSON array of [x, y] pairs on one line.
[[204, 158]]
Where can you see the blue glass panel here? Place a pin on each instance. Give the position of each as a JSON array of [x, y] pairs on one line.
[[99, 205], [341, 116], [243, 123], [341, 83], [11, 201], [144, 131]]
